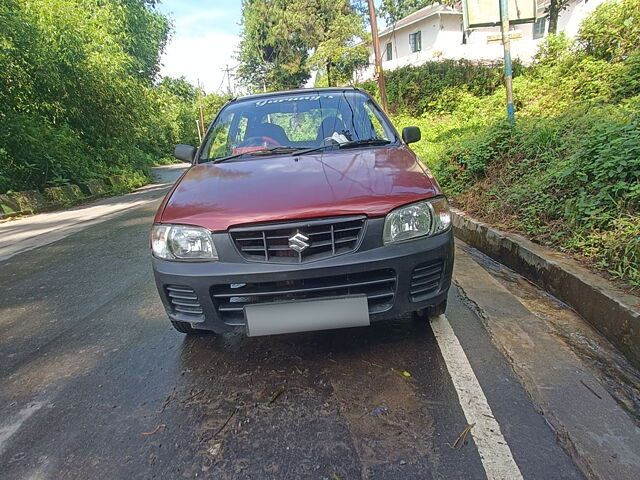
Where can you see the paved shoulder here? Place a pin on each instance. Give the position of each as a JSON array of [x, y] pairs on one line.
[[602, 437], [25, 234]]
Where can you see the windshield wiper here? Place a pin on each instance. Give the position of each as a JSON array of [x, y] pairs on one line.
[[265, 151], [272, 150], [221, 159], [363, 142]]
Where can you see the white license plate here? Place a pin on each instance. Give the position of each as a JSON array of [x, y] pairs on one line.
[[306, 315]]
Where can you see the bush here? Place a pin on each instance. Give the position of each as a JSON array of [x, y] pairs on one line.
[[77, 98], [567, 174], [436, 84], [616, 250], [612, 31]]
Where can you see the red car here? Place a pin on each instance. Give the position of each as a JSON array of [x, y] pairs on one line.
[[302, 210]]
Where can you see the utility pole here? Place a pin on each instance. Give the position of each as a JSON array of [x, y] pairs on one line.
[[376, 50], [201, 112], [228, 80], [508, 73], [199, 132]]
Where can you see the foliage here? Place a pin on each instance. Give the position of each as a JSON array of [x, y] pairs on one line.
[[274, 46], [77, 100], [279, 35], [554, 49], [394, 10], [612, 31], [436, 85], [568, 173], [173, 117], [342, 42]]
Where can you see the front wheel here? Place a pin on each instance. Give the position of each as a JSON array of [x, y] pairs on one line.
[[184, 327], [431, 312]]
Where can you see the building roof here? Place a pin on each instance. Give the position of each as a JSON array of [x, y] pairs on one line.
[[421, 14]]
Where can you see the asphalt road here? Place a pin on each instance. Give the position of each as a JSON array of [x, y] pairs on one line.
[[95, 383]]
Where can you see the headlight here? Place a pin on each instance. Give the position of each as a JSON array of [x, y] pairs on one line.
[[425, 218], [182, 242]]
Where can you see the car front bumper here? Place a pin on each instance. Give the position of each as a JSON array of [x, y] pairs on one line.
[[396, 278]]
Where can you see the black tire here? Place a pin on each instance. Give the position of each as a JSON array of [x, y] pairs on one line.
[[438, 309], [430, 312], [184, 327]]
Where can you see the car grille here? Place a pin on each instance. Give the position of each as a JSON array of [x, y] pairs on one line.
[[425, 280], [325, 238], [184, 300], [378, 285]]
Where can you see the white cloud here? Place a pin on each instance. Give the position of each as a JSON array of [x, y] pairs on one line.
[[202, 57], [198, 19]]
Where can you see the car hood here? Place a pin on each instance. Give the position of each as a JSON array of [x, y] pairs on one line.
[[369, 181]]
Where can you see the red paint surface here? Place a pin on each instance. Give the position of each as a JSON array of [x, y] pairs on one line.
[[264, 189]]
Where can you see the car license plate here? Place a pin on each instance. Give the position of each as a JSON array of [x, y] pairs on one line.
[[306, 315]]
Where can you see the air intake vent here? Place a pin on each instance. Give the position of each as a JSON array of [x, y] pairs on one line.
[[379, 286], [425, 280], [314, 240], [184, 300]]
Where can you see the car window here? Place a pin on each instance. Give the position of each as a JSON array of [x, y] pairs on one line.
[[217, 142], [301, 126], [377, 129], [306, 120]]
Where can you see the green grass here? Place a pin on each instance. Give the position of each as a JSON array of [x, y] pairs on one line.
[[567, 174]]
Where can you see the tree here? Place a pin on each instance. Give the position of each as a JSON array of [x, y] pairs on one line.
[[76, 88], [394, 10], [554, 9], [279, 35], [274, 47], [342, 41]]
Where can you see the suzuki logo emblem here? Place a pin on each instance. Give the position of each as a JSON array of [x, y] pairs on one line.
[[299, 242]]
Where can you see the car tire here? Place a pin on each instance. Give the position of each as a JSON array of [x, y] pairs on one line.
[[184, 327], [430, 312]]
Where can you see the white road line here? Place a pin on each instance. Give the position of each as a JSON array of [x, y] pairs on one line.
[[495, 454]]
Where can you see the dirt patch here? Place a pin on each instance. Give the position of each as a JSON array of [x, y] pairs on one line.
[[384, 414]]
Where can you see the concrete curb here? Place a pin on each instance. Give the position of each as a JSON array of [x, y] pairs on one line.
[[614, 313], [30, 202]]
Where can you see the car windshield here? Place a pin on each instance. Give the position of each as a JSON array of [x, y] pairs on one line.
[[285, 123]]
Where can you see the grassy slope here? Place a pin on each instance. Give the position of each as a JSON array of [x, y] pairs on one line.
[[567, 174]]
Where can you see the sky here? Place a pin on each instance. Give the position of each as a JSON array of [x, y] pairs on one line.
[[206, 35], [204, 41]]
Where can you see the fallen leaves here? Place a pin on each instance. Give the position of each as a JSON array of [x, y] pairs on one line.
[[275, 396], [155, 430], [462, 438]]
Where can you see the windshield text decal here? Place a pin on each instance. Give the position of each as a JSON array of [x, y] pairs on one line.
[[260, 103]]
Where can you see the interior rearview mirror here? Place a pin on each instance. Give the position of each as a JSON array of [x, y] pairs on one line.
[[184, 153], [411, 134]]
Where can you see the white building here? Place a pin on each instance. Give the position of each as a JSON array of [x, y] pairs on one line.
[[437, 32]]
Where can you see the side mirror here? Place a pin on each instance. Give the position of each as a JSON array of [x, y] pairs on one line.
[[411, 134], [184, 153]]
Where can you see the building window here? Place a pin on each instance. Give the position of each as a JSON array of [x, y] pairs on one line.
[[415, 42], [539, 27], [389, 50]]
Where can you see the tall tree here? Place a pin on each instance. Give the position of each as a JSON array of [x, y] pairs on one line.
[[274, 47], [280, 35], [341, 41], [554, 9]]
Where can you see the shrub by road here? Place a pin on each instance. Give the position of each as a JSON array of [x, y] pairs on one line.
[[80, 95], [568, 173]]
